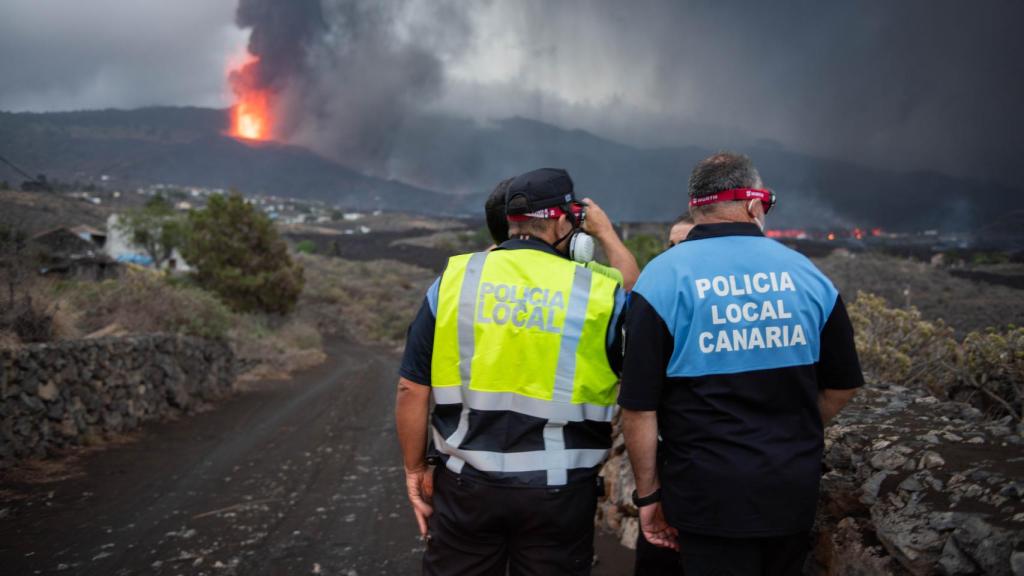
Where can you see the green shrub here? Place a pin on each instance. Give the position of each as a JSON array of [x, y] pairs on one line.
[[143, 302], [239, 255], [306, 247], [993, 364], [896, 345], [986, 258]]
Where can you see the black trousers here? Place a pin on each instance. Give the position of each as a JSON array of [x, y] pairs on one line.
[[485, 529], [715, 556]]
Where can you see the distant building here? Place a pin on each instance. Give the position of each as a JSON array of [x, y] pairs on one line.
[[120, 247], [72, 253], [97, 237]]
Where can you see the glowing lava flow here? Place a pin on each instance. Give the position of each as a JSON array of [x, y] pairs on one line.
[[251, 115]]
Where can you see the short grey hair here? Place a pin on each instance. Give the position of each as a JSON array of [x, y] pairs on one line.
[[723, 171], [530, 226]]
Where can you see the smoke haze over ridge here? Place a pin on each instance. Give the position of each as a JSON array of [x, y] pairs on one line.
[[930, 85]]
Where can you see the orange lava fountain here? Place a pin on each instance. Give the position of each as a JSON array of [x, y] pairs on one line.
[[250, 117], [251, 114]]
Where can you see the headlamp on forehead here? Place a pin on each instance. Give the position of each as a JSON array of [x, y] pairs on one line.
[[767, 197]]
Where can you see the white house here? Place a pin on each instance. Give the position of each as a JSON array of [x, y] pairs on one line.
[[120, 247]]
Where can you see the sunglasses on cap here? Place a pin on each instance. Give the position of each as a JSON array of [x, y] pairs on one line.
[[766, 196]]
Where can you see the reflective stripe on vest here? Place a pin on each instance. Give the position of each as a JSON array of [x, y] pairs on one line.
[[525, 461], [526, 333]]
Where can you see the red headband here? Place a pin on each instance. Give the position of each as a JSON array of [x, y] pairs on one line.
[[545, 213], [767, 197]]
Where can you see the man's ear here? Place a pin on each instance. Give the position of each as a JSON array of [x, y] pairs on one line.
[[755, 209]]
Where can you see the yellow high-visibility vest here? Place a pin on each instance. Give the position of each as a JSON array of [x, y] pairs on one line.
[[524, 331]]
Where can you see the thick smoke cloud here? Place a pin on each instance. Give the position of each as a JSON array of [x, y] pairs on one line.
[[343, 75], [281, 33], [916, 84], [913, 84]]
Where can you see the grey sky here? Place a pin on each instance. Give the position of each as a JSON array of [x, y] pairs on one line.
[[82, 54], [909, 84]]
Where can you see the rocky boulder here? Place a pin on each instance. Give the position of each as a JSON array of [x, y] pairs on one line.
[[930, 485]]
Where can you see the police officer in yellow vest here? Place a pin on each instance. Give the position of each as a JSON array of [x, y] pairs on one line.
[[520, 348]]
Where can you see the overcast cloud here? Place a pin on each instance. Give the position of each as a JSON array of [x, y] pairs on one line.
[[83, 54], [911, 84]]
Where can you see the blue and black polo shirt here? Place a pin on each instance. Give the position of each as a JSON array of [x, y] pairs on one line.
[[730, 336]]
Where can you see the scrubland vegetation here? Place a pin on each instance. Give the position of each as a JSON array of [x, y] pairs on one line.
[[916, 324], [243, 287], [374, 300], [984, 368]]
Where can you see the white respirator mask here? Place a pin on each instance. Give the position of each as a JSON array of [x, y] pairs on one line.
[[581, 247]]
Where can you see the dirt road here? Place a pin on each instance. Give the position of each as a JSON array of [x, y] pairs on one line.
[[299, 477]]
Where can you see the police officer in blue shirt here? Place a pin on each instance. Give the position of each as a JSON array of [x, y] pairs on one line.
[[738, 351]]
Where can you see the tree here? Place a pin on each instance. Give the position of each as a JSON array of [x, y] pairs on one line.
[[157, 228], [18, 313], [239, 255], [13, 261]]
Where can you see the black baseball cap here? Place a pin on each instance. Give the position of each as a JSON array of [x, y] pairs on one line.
[[542, 188]]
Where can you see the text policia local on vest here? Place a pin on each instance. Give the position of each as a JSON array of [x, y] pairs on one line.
[[749, 336], [523, 306]]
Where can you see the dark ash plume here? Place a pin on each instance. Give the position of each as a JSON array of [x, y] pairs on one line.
[[343, 80], [281, 33]]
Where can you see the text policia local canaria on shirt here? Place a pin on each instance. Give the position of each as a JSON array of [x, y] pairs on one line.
[[740, 330]]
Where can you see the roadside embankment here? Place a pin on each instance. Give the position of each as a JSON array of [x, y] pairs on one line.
[[912, 485], [78, 391], [917, 485]]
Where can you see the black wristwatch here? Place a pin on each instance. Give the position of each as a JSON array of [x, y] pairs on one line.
[[649, 499]]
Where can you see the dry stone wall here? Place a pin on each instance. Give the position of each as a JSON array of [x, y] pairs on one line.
[[75, 392], [911, 485]]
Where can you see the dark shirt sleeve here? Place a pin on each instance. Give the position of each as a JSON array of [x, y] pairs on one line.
[[838, 365], [614, 337], [648, 350], [419, 346]]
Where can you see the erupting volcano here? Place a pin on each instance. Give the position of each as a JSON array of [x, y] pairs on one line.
[[250, 117], [251, 114]]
